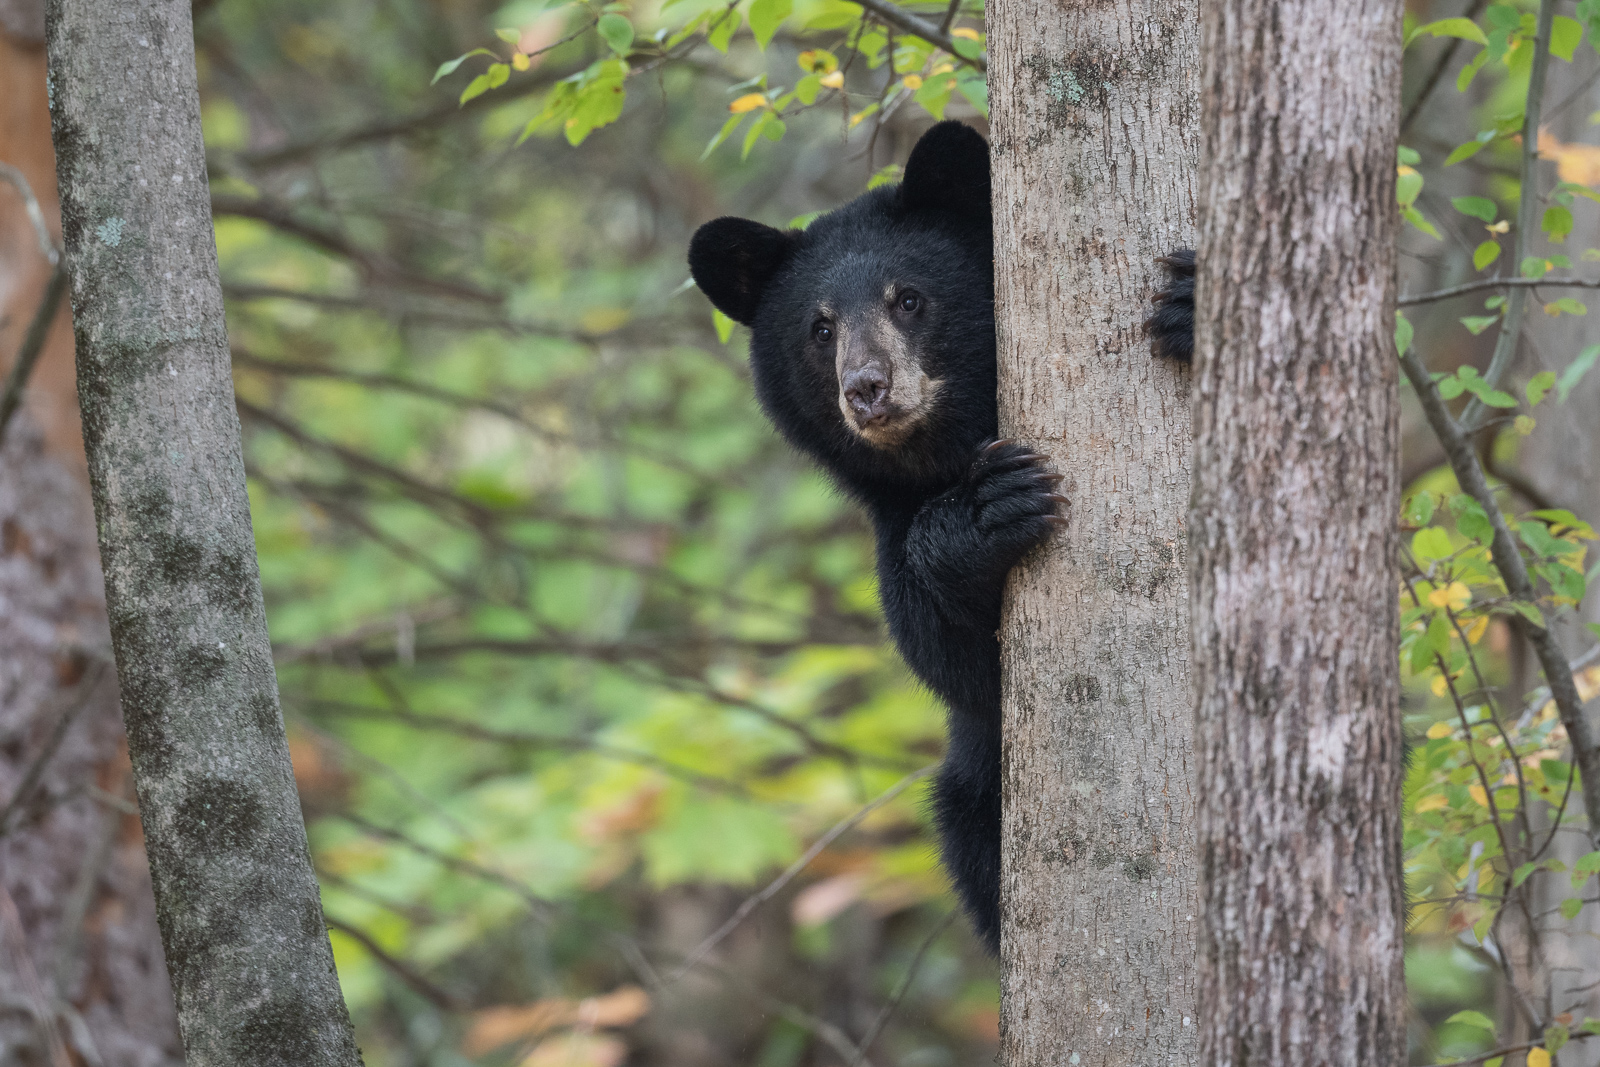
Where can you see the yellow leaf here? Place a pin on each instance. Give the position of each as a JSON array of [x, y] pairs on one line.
[[1403, 170], [1432, 803], [1538, 1057], [1441, 686], [913, 81], [520, 61], [964, 31], [818, 61], [1477, 793], [1578, 163], [1454, 596], [944, 68], [1440, 729], [833, 80], [1503, 226], [748, 102], [1476, 630]]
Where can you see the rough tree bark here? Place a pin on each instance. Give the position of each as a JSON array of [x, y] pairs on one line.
[[1095, 139], [1293, 561], [241, 921]]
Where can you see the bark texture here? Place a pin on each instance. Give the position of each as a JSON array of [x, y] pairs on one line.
[[241, 921], [1293, 568], [1095, 139]]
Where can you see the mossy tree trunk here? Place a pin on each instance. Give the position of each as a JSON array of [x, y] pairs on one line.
[[1095, 140], [238, 906], [1293, 560]]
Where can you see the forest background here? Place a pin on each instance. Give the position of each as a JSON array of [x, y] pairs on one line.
[[575, 655]]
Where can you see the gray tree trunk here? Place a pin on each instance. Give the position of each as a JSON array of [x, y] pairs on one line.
[[240, 916], [1293, 563], [1095, 139]]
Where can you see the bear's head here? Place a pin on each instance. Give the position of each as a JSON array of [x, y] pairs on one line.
[[872, 330]]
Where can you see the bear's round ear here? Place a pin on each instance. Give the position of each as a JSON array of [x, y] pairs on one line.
[[948, 171], [732, 261]]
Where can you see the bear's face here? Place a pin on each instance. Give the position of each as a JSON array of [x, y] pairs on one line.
[[872, 338]]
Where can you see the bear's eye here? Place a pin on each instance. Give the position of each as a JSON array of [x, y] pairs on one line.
[[909, 302], [822, 333]]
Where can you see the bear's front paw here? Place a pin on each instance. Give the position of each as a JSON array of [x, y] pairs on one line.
[[1013, 497], [1171, 325]]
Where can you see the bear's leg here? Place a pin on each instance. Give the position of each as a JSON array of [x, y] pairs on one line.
[[1171, 324], [966, 807]]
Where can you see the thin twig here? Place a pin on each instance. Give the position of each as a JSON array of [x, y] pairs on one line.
[[1439, 67], [1513, 284], [1505, 346], [917, 26], [32, 345], [949, 16], [756, 900], [900, 993], [439, 998], [64, 721], [1508, 1050], [41, 1002], [30, 204], [1508, 560]]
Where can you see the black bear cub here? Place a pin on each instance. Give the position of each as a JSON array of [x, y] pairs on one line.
[[873, 351]]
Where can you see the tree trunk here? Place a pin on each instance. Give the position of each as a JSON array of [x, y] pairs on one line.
[[80, 956], [1294, 571], [1095, 142], [241, 921]]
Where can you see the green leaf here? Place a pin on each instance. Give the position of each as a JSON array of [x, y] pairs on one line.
[[722, 31], [1534, 267], [1529, 612], [1538, 386], [807, 88], [967, 48], [800, 222], [1594, 628], [886, 176], [1415, 217], [1536, 535], [450, 66], [1557, 223], [1471, 1018], [765, 18], [1566, 304], [1555, 1038], [1570, 908], [1403, 333], [616, 31], [723, 324], [1471, 520], [1575, 371], [975, 87], [1470, 71], [1470, 149], [1465, 29], [1485, 254], [497, 74], [1450, 387], [509, 36], [1554, 770], [1433, 642], [1409, 156], [1565, 35], [475, 88], [1479, 207], [1420, 509], [1431, 544], [753, 134], [1522, 874], [1477, 324], [1591, 1025], [1407, 186], [722, 135]]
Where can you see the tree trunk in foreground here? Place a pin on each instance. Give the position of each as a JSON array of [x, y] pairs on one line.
[[1095, 145], [1293, 570], [240, 916]]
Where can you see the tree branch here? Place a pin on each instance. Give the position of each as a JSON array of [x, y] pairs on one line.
[[32, 346], [1505, 346], [1508, 560], [917, 26], [754, 901], [1496, 283], [439, 998]]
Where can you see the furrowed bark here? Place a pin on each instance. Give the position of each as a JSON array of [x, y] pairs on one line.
[[1095, 143], [1294, 560], [240, 916]]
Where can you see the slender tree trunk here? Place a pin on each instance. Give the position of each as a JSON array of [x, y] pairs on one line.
[[1095, 136], [241, 921], [1293, 569]]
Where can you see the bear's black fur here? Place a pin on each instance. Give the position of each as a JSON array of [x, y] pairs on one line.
[[873, 351]]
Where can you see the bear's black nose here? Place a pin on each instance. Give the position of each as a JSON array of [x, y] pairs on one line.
[[866, 389]]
